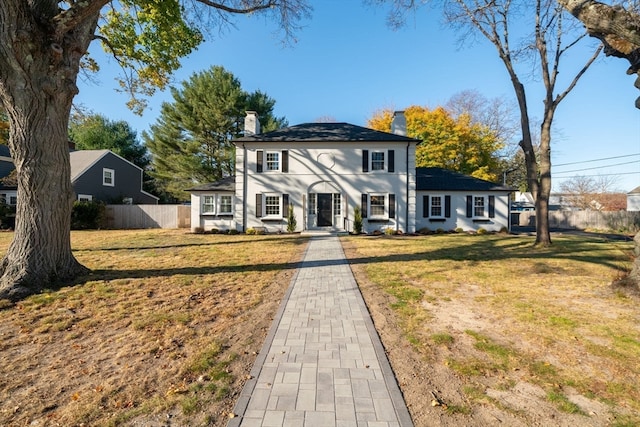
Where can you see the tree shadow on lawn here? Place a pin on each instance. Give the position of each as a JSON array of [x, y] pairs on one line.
[[485, 249], [282, 239]]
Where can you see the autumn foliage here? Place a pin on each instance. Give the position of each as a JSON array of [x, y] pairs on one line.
[[453, 143]]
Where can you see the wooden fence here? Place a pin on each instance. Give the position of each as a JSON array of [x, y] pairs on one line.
[[148, 216], [582, 220]]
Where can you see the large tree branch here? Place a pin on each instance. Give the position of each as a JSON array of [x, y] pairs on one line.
[[79, 12], [603, 19]]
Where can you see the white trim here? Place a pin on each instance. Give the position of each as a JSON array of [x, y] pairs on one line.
[[384, 161], [279, 204], [441, 197], [485, 207], [104, 177], [385, 214], [266, 161], [212, 203], [219, 205]]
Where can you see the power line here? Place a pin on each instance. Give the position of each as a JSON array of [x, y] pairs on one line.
[[597, 160], [598, 167], [599, 175]]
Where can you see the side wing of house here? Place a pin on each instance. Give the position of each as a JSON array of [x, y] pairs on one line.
[[324, 182], [111, 179], [213, 206], [463, 210], [450, 201]]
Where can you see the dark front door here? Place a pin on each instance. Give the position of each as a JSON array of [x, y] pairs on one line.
[[324, 210]]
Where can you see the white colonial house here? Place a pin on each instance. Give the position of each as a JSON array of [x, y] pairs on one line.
[[326, 170]]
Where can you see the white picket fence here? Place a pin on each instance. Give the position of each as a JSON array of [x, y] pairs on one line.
[[582, 220], [148, 216]]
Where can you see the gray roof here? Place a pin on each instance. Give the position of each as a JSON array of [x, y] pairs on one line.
[[82, 160], [323, 132], [439, 179], [225, 184], [635, 191]]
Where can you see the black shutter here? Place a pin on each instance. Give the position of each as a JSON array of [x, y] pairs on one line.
[[363, 206], [492, 206], [447, 206], [469, 206], [285, 161], [365, 160], [392, 205], [259, 205], [391, 167], [285, 205], [425, 206], [259, 160]]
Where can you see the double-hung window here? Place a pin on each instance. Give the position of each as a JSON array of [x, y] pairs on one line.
[[377, 203], [208, 204], [377, 161], [108, 177], [226, 207], [479, 206], [272, 205], [273, 160], [378, 206], [436, 207]]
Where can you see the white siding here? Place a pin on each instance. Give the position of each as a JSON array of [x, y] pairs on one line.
[[339, 165]]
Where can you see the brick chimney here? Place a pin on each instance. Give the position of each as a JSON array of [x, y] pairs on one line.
[[251, 124], [399, 123]]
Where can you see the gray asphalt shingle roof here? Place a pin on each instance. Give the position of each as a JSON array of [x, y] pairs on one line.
[[329, 132], [225, 184], [438, 179]]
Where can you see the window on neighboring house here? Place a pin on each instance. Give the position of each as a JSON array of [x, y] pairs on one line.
[[273, 161], [337, 204], [226, 207], [127, 200], [13, 200], [208, 204], [377, 161], [85, 197], [108, 177]]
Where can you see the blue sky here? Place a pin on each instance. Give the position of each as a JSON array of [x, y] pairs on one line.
[[347, 64]]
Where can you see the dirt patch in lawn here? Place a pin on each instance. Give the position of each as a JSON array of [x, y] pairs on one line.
[[460, 367]]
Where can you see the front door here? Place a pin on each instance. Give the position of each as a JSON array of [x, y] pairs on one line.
[[325, 212]]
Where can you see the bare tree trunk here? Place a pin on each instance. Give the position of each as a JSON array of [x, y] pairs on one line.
[[37, 86]]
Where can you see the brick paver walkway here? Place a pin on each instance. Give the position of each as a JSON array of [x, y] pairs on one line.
[[322, 364]]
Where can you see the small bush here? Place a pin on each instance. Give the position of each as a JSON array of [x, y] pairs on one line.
[[389, 231], [459, 230], [233, 231], [481, 231], [252, 231], [292, 223], [357, 220], [198, 230], [87, 215]]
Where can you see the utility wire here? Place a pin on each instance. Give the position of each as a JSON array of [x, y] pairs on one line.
[[597, 167], [597, 160]]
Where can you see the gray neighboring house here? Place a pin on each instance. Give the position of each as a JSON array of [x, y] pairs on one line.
[[103, 175], [633, 200]]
